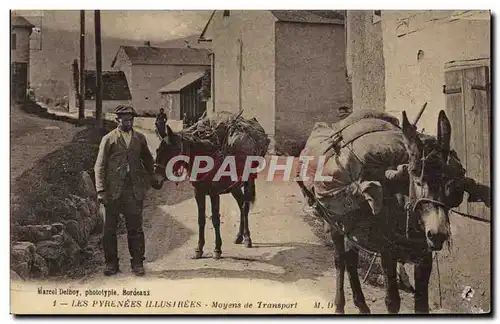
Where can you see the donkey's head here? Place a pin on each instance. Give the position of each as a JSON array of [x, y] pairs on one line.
[[171, 146], [428, 175]]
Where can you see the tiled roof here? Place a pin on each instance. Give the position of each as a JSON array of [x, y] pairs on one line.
[[182, 82], [164, 56], [310, 16], [332, 14], [114, 85], [20, 21]]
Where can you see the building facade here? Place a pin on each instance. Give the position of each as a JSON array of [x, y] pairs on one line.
[[365, 59], [148, 68], [115, 91], [286, 68], [21, 30], [442, 58]]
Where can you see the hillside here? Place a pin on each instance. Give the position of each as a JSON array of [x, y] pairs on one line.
[[50, 68]]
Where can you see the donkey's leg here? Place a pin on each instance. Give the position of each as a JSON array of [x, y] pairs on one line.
[[423, 271], [239, 197], [200, 201], [339, 259], [351, 262], [246, 230], [215, 203], [248, 191], [392, 298]]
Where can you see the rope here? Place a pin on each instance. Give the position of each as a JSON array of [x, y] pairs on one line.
[[479, 219], [439, 280], [370, 268]]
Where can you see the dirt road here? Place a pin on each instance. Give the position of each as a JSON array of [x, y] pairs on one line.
[[288, 258]]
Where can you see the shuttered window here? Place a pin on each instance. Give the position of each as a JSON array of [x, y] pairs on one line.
[[468, 107]]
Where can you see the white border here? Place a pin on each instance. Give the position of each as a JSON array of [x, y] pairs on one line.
[[185, 4]]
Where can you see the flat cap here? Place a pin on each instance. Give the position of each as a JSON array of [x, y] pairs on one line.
[[124, 109]]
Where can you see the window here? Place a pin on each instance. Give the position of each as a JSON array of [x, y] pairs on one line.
[[377, 16], [13, 41], [226, 13]]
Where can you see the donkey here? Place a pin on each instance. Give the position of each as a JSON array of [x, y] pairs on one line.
[[174, 144], [413, 202]]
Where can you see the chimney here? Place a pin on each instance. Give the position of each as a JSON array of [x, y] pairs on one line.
[[147, 43]]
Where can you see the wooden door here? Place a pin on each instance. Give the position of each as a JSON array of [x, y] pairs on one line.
[[191, 104], [468, 107]]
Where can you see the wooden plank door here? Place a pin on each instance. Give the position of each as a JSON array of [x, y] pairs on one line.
[[468, 107]]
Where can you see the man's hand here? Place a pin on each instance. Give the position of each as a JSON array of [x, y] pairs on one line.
[[101, 197]]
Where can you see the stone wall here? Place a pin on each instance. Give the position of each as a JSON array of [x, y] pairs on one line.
[[38, 251]]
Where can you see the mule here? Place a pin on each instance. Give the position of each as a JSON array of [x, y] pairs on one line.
[[412, 223], [174, 144]]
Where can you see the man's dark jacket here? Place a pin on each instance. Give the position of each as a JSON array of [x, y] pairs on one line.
[[112, 160]]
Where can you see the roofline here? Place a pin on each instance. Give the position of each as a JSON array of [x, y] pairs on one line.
[[29, 25], [132, 63], [331, 22], [116, 56], [200, 74], [168, 92], [22, 26], [104, 71], [175, 64], [201, 38], [121, 100]]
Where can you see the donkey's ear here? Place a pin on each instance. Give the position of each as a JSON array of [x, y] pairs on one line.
[[170, 133], [444, 131], [409, 131]]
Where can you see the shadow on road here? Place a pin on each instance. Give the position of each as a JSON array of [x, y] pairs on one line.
[[300, 261], [172, 193], [167, 233]]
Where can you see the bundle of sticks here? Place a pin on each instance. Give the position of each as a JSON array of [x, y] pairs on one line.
[[229, 132]]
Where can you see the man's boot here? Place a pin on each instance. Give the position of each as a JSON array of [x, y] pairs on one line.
[[137, 267], [136, 249], [111, 268]]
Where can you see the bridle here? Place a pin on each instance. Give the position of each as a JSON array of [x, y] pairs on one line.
[[415, 202], [162, 167]]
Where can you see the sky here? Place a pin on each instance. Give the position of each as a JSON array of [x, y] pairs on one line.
[[154, 25]]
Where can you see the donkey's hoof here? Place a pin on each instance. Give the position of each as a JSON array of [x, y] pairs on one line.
[[238, 240], [365, 311], [248, 243], [217, 255], [197, 255]]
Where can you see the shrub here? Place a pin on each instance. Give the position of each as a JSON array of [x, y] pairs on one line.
[[43, 189]]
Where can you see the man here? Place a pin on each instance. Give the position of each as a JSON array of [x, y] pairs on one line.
[[123, 170], [161, 122]]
